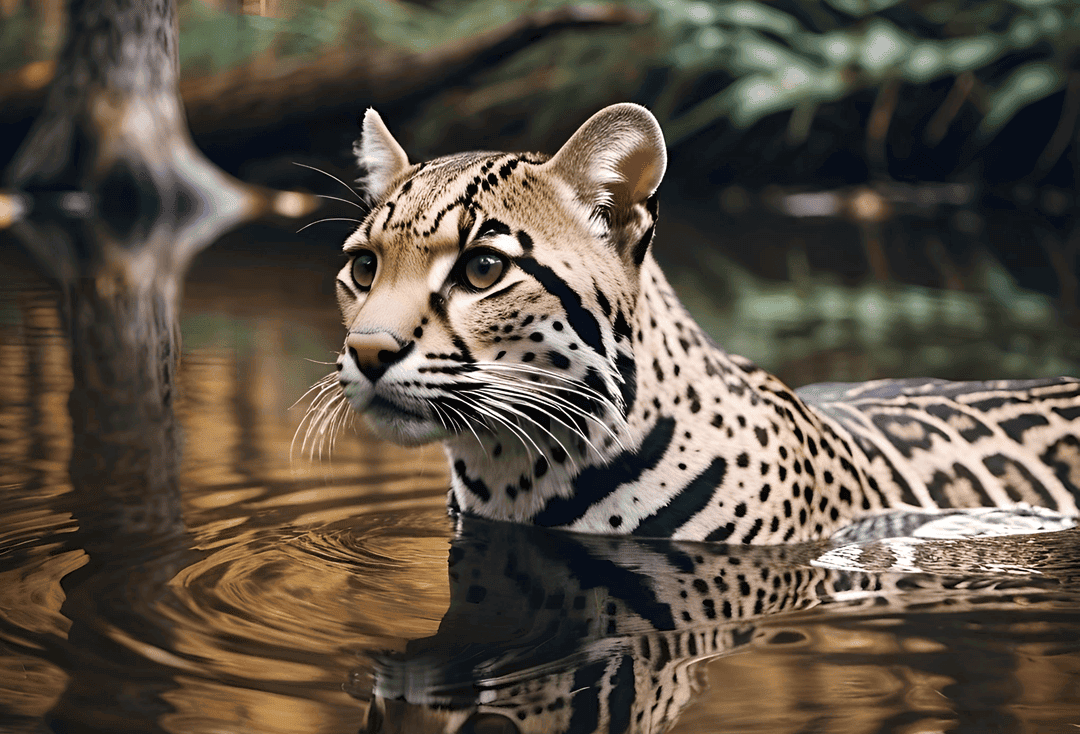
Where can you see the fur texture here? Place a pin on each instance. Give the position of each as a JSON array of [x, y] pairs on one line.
[[509, 306]]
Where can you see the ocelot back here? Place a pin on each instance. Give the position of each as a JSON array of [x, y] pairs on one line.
[[509, 306]]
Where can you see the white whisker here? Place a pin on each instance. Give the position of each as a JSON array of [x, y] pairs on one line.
[[319, 170], [573, 385], [525, 394], [320, 385], [528, 420], [319, 412], [338, 198], [525, 398], [469, 426], [323, 388], [344, 413], [328, 219], [538, 390], [490, 412]]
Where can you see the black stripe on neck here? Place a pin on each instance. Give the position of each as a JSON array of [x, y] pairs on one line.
[[595, 483]]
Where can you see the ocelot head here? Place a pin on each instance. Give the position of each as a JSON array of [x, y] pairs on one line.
[[488, 296]]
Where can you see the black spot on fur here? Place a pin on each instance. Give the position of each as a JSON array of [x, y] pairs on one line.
[[438, 305], [720, 535], [605, 305], [692, 396], [558, 360], [753, 531], [622, 327], [525, 241], [1015, 427], [508, 168], [476, 486]]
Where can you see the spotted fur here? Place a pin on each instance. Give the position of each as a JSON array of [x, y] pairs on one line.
[[574, 391]]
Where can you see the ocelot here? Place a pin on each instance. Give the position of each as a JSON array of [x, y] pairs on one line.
[[509, 306]]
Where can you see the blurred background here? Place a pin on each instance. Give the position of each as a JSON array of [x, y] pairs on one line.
[[857, 188]]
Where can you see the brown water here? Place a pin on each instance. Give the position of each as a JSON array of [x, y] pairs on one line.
[[288, 588]]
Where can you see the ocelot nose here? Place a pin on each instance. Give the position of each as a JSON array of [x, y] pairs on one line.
[[373, 353]]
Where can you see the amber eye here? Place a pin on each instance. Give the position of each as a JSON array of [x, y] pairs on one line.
[[363, 269], [483, 269]]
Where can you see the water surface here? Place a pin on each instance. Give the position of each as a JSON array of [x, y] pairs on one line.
[[282, 591]]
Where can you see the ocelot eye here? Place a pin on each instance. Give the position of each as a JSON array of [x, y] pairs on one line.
[[483, 269], [363, 269]]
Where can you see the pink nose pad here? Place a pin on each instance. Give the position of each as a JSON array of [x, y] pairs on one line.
[[373, 352]]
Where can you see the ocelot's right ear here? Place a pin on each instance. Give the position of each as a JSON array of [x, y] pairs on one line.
[[379, 155], [613, 164]]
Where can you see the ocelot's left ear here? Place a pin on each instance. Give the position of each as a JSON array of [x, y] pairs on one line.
[[380, 156], [614, 163]]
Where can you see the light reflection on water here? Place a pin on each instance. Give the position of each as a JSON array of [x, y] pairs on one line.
[[262, 611]]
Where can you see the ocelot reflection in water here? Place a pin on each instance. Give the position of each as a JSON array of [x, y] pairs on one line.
[[555, 632]]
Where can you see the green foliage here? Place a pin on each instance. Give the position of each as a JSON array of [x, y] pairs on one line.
[[760, 58], [777, 62], [212, 40]]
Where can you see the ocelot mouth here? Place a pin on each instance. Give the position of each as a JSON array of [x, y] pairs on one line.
[[390, 409], [392, 421]]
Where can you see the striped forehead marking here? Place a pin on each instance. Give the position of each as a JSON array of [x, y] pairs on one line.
[[436, 179]]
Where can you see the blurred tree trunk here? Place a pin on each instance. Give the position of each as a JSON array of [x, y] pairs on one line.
[[112, 127], [121, 203]]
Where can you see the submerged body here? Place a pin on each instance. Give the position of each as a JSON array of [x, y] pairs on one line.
[[509, 306]]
